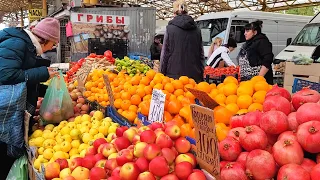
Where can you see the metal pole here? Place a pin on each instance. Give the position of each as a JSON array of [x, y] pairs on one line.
[[44, 8]]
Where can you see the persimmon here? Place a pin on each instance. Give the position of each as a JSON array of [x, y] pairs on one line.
[[167, 116], [222, 115], [185, 130], [174, 107], [222, 131]]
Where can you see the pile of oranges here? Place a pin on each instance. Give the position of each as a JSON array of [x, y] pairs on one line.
[[133, 95]]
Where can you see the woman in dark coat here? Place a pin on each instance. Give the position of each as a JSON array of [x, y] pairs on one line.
[[19, 62], [256, 57], [182, 51]]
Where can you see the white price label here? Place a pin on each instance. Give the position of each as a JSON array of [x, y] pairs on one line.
[[157, 106]]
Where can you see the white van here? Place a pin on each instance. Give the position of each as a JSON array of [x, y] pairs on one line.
[[305, 43], [277, 27]]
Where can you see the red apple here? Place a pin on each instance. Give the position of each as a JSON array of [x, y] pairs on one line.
[[107, 149], [151, 151], [130, 133], [182, 145], [185, 158], [164, 141], [169, 155], [148, 136], [143, 164], [193, 158], [101, 163], [75, 162], [97, 173], [121, 143], [88, 161], [121, 130], [170, 123], [159, 166], [52, 170], [124, 156], [170, 177], [136, 139], [98, 142], [143, 128], [63, 163], [146, 176], [199, 175], [116, 173], [158, 132], [173, 132], [183, 170], [81, 173], [156, 125], [110, 165], [138, 149], [129, 171], [91, 151], [99, 157]]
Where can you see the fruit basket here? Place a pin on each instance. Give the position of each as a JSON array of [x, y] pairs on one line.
[[299, 84]]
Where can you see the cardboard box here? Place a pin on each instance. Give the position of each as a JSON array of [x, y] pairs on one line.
[[307, 70], [289, 88], [289, 78]]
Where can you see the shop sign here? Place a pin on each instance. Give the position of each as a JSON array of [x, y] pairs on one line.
[[34, 14], [99, 19]]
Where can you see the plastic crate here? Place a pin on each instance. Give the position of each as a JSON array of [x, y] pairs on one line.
[[116, 117], [218, 79], [299, 84]]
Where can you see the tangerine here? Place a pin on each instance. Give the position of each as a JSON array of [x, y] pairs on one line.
[[255, 106], [145, 107], [158, 86], [125, 104], [178, 92], [231, 99], [204, 86], [185, 129], [135, 99], [150, 74], [222, 115], [133, 108], [244, 101], [259, 97], [177, 84], [147, 90], [230, 89], [141, 92], [125, 96], [174, 107], [117, 103], [230, 79], [145, 81], [261, 86], [169, 87], [184, 80], [167, 116]]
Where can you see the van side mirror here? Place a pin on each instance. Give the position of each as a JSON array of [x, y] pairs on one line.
[[289, 40]]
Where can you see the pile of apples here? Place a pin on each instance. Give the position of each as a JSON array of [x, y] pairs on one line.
[[79, 103], [150, 152]]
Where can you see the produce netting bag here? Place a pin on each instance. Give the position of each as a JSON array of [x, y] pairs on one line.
[[19, 169], [57, 104]]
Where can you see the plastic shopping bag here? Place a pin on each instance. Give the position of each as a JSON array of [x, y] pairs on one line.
[[57, 104], [19, 169]]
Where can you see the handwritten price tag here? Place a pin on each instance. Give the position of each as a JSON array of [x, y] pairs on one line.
[[109, 89], [157, 106]]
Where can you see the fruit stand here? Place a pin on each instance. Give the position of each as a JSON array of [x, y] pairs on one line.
[[255, 130]]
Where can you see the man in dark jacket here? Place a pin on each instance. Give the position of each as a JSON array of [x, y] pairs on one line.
[[182, 51], [155, 48]]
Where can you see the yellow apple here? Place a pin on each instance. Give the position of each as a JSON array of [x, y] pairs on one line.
[[49, 127], [75, 143], [83, 146], [112, 129], [48, 154], [65, 130], [112, 156], [98, 136], [74, 133], [65, 146], [86, 138], [85, 117], [93, 131], [64, 173]]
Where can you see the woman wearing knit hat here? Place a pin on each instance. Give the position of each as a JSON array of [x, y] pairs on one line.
[[182, 50], [19, 62]]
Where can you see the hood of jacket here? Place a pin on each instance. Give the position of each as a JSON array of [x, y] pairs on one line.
[[259, 37], [184, 21]]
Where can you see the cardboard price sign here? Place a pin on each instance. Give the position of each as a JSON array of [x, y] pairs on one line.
[[157, 106], [204, 98], [206, 140], [82, 77], [109, 89]]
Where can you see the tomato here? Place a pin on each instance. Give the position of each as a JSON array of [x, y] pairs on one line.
[[108, 54], [92, 55]]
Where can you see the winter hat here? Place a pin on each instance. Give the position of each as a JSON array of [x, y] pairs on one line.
[[48, 29], [180, 6]]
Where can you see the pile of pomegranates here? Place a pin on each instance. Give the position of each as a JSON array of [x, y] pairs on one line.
[[282, 143]]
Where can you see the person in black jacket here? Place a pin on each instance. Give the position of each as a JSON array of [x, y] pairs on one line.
[[155, 48], [256, 57], [182, 51]]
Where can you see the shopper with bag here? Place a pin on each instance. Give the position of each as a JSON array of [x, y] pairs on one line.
[[20, 66]]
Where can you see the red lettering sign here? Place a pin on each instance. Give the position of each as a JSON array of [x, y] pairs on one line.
[[89, 17], [120, 20], [109, 19], [99, 19], [79, 17]]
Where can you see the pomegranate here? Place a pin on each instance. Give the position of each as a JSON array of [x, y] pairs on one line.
[[242, 158], [288, 135], [276, 90], [308, 164], [253, 138], [315, 172], [277, 103], [235, 132], [318, 158], [252, 118], [274, 122], [287, 152], [229, 149], [269, 148], [309, 136], [292, 121], [303, 96], [236, 121], [234, 171], [223, 163], [292, 172], [308, 112], [272, 139], [260, 165]]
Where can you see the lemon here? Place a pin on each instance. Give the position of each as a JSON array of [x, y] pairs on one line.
[[37, 133], [85, 117], [49, 127], [99, 115], [48, 154], [41, 150], [65, 146], [86, 138], [65, 130], [83, 147], [75, 143], [73, 151], [93, 131], [39, 141]]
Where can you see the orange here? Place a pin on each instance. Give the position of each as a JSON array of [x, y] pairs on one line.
[[185, 112], [222, 115], [261, 86], [125, 104], [157, 80], [145, 81], [158, 86], [190, 95], [131, 116], [213, 86], [169, 87], [167, 116], [140, 92], [185, 130], [87, 93], [259, 96], [117, 95], [220, 98], [231, 99], [150, 74], [185, 101], [242, 111], [145, 107], [120, 111], [214, 93], [125, 96], [177, 84], [111, 76], [132, 90], [232, 107], [230, 79], [135, 80], [255, 106], [100, 85], [230, 89], [204, 86], [133, 108], [256, 79], [147, 97], [178, 92], [174, 107], [244, 101], [184, 80], [147, 90], [117, 103], [165, 80], [222, 131], [135, 99], [245, 90]]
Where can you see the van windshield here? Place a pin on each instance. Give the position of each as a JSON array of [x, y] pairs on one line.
[[212, 28], [308, 36]]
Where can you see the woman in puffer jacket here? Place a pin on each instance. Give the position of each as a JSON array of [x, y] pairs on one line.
[[19, 62]]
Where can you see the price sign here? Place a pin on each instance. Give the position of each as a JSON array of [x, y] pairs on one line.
[[157, 106], [109, 89], [204, 98], [82, 77], [206, 140]]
